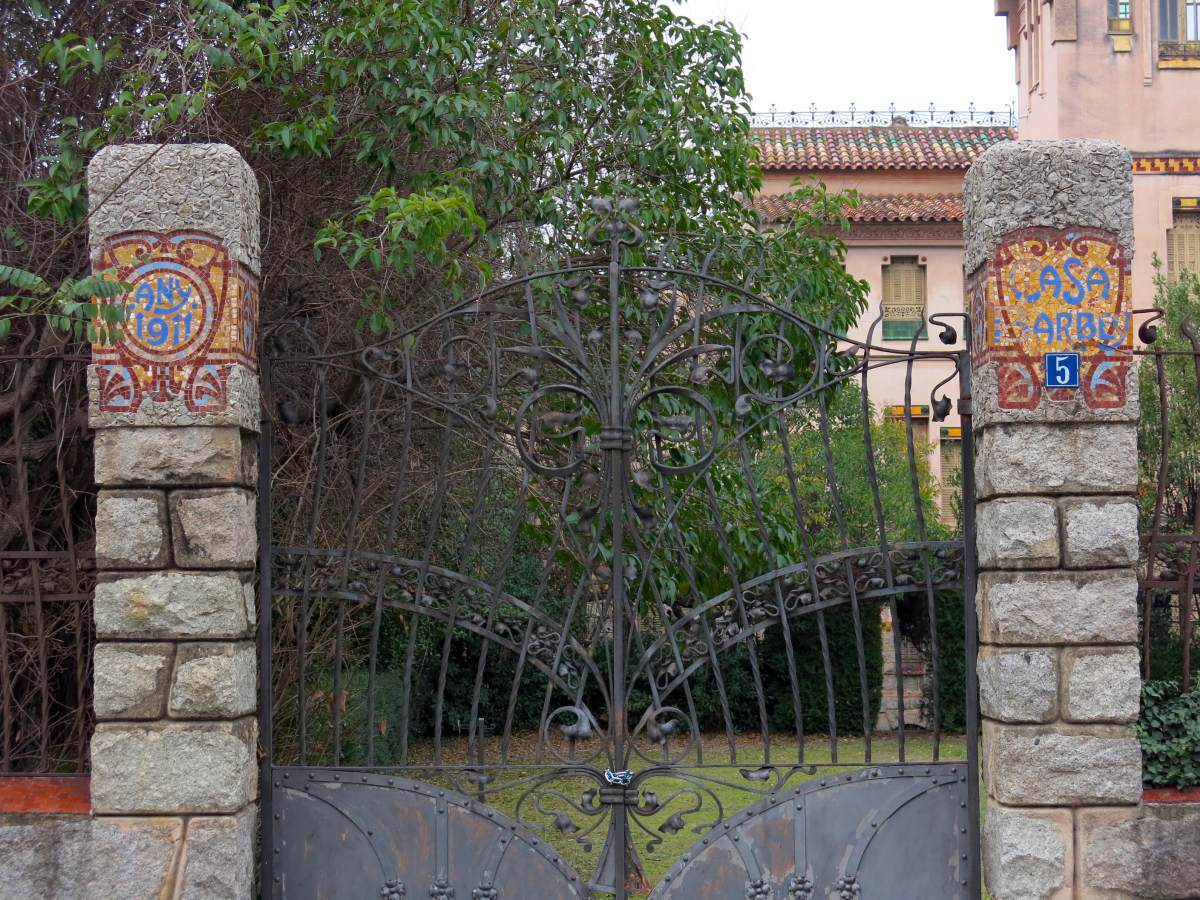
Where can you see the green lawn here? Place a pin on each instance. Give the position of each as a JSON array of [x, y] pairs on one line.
[[726, 787]]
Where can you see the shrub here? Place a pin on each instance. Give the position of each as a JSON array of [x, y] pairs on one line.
[[1169, 730], [952, 656], [771, 650]]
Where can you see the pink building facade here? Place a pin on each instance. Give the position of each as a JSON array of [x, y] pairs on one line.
[[1128, 71], [909, 222]]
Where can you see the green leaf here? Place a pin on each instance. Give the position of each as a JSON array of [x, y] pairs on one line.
[[22, 279]]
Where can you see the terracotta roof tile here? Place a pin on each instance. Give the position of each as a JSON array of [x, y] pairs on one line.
[[878, 147], [877, 208]]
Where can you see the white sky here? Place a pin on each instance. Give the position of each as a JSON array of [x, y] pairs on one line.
[[868, 52]]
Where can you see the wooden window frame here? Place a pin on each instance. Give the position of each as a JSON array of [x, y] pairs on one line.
[[946, 498], [903, 329], [1183, 239], [1120, 16], [1178, 33]]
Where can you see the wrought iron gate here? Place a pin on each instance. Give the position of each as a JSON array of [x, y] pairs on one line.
[[582, 585]]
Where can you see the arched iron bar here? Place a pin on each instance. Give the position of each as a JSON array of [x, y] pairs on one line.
[[477, 306]]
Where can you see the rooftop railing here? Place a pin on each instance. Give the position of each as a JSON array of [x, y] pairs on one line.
[[814, 117]]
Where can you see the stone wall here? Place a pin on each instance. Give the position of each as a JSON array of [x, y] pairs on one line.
[[174, 774], [1049, 242], [175, 408]]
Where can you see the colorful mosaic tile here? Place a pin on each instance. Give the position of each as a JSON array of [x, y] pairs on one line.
[[1166, 165], [1051, 293], [190, 317]]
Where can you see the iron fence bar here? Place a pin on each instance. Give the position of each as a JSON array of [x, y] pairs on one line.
[[884, 547], [971, 625], [931, 601], [848, 574], [266, 684]]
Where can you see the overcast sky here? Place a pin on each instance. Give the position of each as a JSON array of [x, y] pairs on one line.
[[869, 52]]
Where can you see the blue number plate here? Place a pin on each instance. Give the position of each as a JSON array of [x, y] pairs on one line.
[[1062, 370]]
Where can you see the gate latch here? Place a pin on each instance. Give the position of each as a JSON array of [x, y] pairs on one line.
[[619, 794]]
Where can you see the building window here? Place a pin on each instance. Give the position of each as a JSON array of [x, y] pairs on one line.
[[1033, 27], [1178, 20], [950, 454], [1120, 15], [920, 421], [903, 299], [1183, 242]]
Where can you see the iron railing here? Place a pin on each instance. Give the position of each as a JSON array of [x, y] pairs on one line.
[[814, 117], [1169, 493], [47, 506]]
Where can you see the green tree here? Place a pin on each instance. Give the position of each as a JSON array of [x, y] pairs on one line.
[[426, 143]]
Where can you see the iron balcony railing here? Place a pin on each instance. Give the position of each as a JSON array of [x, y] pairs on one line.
[[814, 117]]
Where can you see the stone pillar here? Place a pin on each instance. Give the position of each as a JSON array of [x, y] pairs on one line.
[[1049, 240], [175, 408]]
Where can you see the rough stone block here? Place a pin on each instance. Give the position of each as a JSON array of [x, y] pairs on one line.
[[1018, 685], [164, 187], [1101, 684], [214, 681], [175, 456], [1018, 533], [1063, 765], [1099, 532], [1028, 854], [218, 862], [1150, 852], [174, 605], [1056, 184], [75, 857], [174, 767], [1058, 607], [1057, 459], [131, 530], [214, 529], [131, 680]]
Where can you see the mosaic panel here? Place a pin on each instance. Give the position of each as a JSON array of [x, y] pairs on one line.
[[1050, 293], [190, 317]]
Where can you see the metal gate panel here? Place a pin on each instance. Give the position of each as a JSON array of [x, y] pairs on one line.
[[869, 833], [359, 835], [499, 567]]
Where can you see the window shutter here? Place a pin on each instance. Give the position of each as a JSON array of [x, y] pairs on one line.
[[951, 458], [1183, 244], [903, 298]]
